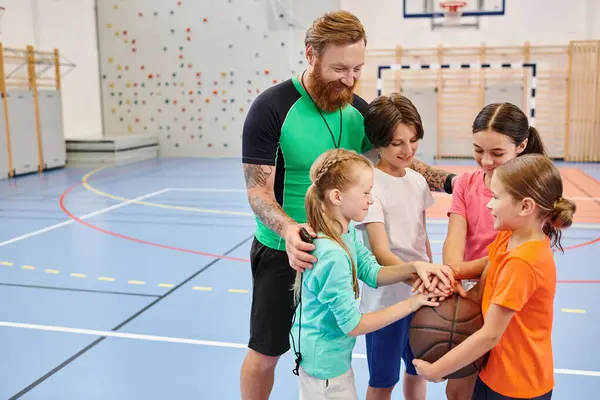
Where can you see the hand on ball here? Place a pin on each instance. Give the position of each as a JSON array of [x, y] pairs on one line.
[[426, 370], [423, 299]]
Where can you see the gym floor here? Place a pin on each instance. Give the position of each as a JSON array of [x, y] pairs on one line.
[[133, 282]]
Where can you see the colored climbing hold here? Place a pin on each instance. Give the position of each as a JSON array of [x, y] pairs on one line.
[[204, 19], [267, 72]]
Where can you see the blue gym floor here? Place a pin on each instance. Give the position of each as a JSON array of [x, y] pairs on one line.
[[102, 297]]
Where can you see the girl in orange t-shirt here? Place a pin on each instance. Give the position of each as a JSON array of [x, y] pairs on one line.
[[520, 283]]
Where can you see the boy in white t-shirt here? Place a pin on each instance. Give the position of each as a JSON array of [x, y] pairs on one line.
[[395, 232]]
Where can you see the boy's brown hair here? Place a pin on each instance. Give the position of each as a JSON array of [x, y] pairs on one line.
[[385, 113]]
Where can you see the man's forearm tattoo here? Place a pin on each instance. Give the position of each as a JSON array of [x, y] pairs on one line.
[[269, 212], [435, 177], [264, 205]]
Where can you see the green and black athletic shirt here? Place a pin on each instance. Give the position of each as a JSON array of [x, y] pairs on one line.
[[284, 128]]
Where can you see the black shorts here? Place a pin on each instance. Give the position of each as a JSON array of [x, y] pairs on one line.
[[272, 300], [483, 392]]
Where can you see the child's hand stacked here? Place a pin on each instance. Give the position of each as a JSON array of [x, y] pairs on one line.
[[442, 283]]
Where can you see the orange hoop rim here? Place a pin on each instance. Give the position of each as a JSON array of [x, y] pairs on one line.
[[453, 6]]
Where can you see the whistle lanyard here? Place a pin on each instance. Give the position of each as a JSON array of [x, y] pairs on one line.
[[336, 145]]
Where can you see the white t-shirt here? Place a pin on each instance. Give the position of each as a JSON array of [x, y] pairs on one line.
[[399, 203]]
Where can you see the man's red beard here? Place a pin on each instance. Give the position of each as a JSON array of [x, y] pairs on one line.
[[329, 96]]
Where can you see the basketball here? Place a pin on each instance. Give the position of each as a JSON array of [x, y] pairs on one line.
[[436, 330]]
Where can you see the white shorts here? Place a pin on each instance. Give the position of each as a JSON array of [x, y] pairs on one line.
[[339, 388], [468, 284]]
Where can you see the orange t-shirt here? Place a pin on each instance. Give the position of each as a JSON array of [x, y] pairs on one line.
[[524, 280]]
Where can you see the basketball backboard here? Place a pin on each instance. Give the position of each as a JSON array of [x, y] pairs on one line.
[[472, 8]]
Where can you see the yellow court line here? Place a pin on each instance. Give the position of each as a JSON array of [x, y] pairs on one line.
[[52, 271], [132, 282], [167, 285], [85, 184], [238, 291], [6, 263], [202, 288], [106, 279], [28, 267], [573, 310], [76, 275]]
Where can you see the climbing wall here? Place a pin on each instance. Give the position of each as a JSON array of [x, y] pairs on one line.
[[187, 71]]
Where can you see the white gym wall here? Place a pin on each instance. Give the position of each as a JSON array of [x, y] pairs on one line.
[[70, 26], [541, 22], [187, 71]]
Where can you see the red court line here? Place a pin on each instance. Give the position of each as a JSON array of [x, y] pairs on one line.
[[141, 241]]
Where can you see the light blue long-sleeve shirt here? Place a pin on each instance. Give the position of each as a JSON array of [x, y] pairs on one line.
[[329, 308]]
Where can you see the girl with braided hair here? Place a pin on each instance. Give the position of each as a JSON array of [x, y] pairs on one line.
[[327, 318]]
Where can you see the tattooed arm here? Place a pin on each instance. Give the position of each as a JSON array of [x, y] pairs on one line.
[[261, 196], [436, 178], [260, 180]]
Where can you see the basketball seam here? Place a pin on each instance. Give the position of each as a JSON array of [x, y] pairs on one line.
[[457, 320], [425, 327], [453, 325]]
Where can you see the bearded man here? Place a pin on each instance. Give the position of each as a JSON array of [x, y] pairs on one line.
[[287, 127]]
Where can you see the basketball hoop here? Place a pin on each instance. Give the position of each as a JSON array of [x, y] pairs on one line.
[[452, 11]]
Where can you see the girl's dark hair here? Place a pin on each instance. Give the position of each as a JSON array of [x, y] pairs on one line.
[[508, 119], [385, 113], [536, 177]]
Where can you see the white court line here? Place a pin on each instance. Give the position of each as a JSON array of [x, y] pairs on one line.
[[207, 190], [86, 216], [136, 336]]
